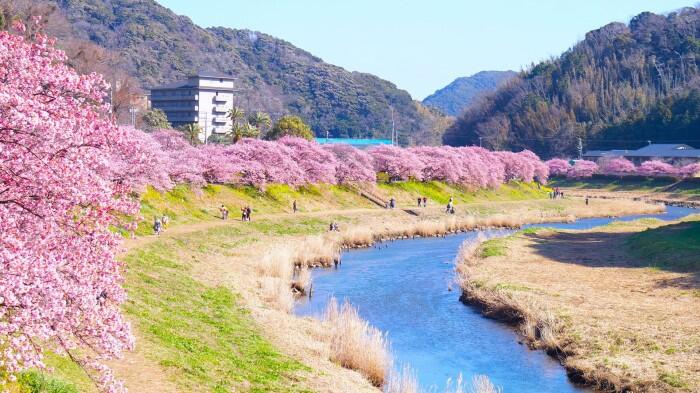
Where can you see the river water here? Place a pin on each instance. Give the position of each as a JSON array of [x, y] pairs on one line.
[[401, 287]]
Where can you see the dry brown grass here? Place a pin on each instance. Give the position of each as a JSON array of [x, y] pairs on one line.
[[319, 250], [581, 297], [404, 381], [301, 283], [277, 293], [277, 262], [356, 344]]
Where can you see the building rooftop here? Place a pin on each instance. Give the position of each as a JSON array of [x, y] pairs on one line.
[[181, 83], [666, 150], [211, 74], [354, 141], [679, 150]]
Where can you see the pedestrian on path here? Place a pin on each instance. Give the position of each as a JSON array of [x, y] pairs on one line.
[[157, 226]]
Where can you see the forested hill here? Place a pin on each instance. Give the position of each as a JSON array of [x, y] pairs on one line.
[[618, 86], [462, 92], [158, 46]]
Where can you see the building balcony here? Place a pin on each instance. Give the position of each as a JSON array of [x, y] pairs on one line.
[[219, 119], [220, 109], [221, 98]]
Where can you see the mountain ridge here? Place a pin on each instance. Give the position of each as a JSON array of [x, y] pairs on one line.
[[156, 46], [617, 75], [459, 94]]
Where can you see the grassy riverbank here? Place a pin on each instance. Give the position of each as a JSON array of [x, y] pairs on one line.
[[684, 188], [618, 304], [204, 312]]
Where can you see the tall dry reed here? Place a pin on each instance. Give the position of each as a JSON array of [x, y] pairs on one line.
[[355, 344], [301, 282], [318, 251], [277, 293], [404, 381], [277, 262]]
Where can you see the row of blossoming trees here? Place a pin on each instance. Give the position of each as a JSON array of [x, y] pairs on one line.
[[618, 166], [68, 174], [296, 162]]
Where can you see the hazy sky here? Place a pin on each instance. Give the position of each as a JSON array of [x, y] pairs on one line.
[[421, 46]]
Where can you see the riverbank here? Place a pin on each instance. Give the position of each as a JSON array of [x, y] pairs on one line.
[[655, 190], [616, 305], [203, 276]]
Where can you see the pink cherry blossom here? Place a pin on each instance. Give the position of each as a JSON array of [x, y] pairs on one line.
[[583, 168], [617, 166], [66, 174], [352, 165], [690, 170], [656, 168], [558, 167]]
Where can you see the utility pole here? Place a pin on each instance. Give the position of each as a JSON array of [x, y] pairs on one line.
[[580, 148], [326, 136], [206, 117], [132, 112], [393, 126], [480, 138]]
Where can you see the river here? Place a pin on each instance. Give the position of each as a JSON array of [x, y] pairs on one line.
[[401, 287]]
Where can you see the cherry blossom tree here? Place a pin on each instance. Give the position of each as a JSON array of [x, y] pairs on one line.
[[317, 164], [491, 169], [59, 193], [690, 170], [266, 162], [558, 167], [140, 161], [398, 163], [352, 165], [582, 168], [540, 169], [439, 163], [518, 166], [617, 166], [655, 168]]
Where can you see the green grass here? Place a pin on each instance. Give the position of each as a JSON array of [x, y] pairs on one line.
[[185, 205], [673, 379], [441, 192], [513, 287], [36, 382], [607, 183], [673, 247], [201, 334], [493, 248]]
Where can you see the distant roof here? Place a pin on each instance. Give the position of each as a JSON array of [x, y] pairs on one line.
[[606, 153], [211, 74], [666, 150], [173, 85], [199, 74], [354, 141], [653, 150]]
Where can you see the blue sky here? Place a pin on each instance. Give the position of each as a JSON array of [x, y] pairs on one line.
[[421, 46]]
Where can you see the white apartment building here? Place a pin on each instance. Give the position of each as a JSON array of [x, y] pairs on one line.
[[203, 98]]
